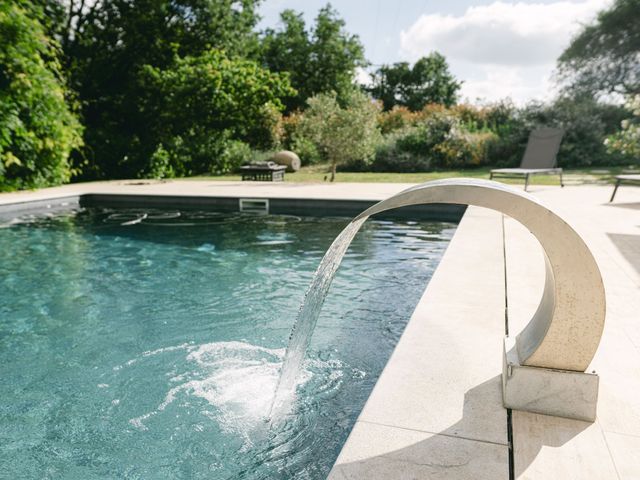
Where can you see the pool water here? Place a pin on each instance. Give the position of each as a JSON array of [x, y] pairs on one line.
[[147, 344]]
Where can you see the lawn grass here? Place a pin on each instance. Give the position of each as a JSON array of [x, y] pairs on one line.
[[318, 174]]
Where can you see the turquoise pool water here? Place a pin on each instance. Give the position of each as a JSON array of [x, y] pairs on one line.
[[146, 344]]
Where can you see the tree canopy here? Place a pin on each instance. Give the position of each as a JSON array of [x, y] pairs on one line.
[[428, 81], [109, 45], [605, 56], [38, 129], [200, 102], [320, 60]]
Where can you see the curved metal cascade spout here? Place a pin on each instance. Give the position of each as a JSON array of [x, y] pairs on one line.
[[564, 332]]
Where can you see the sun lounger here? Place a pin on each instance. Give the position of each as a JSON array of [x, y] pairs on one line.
[[540, 157], [630, 179]]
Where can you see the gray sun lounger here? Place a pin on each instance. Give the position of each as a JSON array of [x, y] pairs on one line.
[[539, 157], [629, 179]]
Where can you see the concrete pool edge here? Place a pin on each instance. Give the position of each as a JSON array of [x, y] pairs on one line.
[[347, 200], [435, 367]]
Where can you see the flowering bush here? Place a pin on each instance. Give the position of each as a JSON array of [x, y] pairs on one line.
[[627, 141]]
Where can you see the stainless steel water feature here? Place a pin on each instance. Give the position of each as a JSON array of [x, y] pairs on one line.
[[543, 368], [544, 364]]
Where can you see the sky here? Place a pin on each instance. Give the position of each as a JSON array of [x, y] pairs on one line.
[[499, 49]]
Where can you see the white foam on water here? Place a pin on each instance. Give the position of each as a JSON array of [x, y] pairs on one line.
[[150, 353], [237, 379], [207, 248]]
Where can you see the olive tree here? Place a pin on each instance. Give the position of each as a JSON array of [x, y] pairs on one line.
[[343, 134]]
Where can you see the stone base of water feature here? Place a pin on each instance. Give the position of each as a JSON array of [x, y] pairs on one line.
[[561, 393]]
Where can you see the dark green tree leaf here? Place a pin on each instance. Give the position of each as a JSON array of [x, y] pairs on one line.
[[320, 60], [38, 129], [429, 81], [605, 56]]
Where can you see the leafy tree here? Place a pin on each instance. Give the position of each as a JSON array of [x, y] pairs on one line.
[[108, 45], [428, 81], [605, 56], [201, 103], [38, 130], [343, 135], [319, 60]]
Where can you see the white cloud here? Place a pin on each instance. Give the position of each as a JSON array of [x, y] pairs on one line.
[[493, 82], [363, 77], [501, 49]]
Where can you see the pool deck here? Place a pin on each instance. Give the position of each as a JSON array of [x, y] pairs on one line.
[[436, 411], [195, 188]]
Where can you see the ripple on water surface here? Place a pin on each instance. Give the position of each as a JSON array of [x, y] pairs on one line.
[[147, 344]]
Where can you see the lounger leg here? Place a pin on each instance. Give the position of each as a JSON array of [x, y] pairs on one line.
[[561, 183], [526, 182], [490, 175], [615, 189]]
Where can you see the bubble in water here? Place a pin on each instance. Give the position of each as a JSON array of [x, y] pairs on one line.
[[237, 379]]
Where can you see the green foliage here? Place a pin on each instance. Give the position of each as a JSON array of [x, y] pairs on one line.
[[293, 139], [200, 104], [586, 122], [398, 118], [235, 153], [341, 134], [605, 56], [109, 46], [428, 81], [179, 87], [437, 140], [466, 136], [306, 150], [38, 130], [626, 142], [160, 164], [321, 60]]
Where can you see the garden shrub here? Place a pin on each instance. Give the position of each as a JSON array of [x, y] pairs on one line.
[[160, 164], [626, 142], [587, 123], [306, 150], [212, 108], [398, 118], [38, 129], [293, 139], [234, 154]]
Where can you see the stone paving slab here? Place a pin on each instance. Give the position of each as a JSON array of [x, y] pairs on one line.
[[548, 447], [442, 382], [381, 452]]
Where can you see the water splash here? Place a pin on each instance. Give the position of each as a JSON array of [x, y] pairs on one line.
[[236, 378], [308, 317]]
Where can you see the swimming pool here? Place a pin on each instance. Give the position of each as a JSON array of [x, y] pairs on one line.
[[146, 344]]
